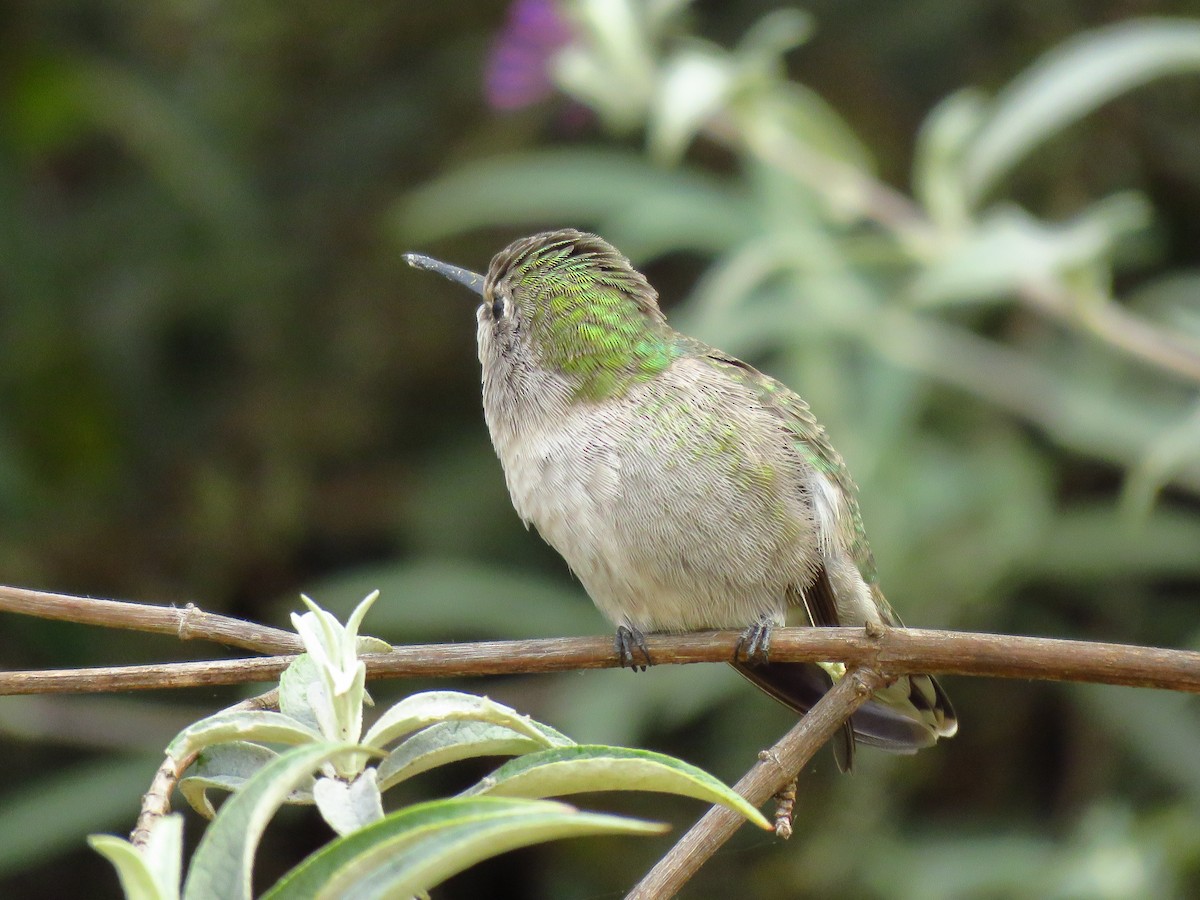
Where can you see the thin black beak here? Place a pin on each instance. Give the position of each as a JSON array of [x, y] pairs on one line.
[[465, 277]]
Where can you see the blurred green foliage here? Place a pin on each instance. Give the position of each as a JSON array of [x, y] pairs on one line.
[[966, 233]]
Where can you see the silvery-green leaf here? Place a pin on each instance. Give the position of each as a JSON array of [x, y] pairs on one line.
[[416, 712], [153, 872], [1072, 80], [609, 67], [164, 854], [675, 210], [336, 696], [789, 112], [348, 807], [221, 866], [367, 644], [415, 849], [938, 158], [777, 32], [331, 644], [589, 767], [1010, 248], [226, 767], [241, 725], [354, 623], [448, 742], [693, 86], [658, 14], [137, 882], [1177, 446], [1172, 300], [293, 690]]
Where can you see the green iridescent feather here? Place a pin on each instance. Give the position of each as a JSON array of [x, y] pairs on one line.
[[593, 318]]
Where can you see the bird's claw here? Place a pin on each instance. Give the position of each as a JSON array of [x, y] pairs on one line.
[[754, 646], [630, 643]]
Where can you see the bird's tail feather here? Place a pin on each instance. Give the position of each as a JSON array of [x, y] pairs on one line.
[[904, 717]]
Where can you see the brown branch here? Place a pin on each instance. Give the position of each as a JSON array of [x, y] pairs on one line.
[[161, 676], [186, 623], [894, 651], [774, 770]]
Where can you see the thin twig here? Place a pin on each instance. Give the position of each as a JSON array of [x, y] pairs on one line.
[[186, 623], [774, 770], [160, 676], [895, 651], [1117, 327], [156, 802], [875, 201]]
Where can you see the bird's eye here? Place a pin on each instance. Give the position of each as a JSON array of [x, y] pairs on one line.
[[499, 307]]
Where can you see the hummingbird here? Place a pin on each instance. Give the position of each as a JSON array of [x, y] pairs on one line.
[[684, 488]]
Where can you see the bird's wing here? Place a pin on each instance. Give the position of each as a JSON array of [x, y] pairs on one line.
[[812, 444]]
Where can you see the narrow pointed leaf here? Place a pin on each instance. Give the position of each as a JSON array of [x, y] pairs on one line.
[[248, 725], [293, 691], [693, 87], [1072, 80], [137, 881], [448, 742], [151, 873], [417, 848], [572, 770], [226, 767], [164, 855], [676, 209], [221, 865], [421, 710]]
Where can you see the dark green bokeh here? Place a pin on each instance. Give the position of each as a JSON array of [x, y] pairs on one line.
[[219, 383]]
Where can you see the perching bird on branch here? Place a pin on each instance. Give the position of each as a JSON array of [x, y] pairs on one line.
[[684, 488]]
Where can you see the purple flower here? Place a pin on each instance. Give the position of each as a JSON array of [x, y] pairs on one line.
[[517, 72]]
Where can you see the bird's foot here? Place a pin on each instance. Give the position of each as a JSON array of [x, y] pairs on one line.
[[629, 644], [754, 646]]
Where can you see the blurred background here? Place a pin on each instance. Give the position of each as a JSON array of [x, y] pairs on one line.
[[967, 233]]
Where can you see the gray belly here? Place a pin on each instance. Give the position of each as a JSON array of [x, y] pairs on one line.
[[672, 523]]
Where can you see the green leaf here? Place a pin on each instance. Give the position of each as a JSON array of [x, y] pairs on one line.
[[593, 767], [221, 865], [789, 110], [1096, 543], [417, 848], [1069, 82], [1010, 248], [293, 691], [228, 767], [938, 158], [253, 725], [776, 33], [693, 87], [1178, 446], [137, 882], [153, 872], [638, 206], [348, 807], [448, 742], [421, 710]]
